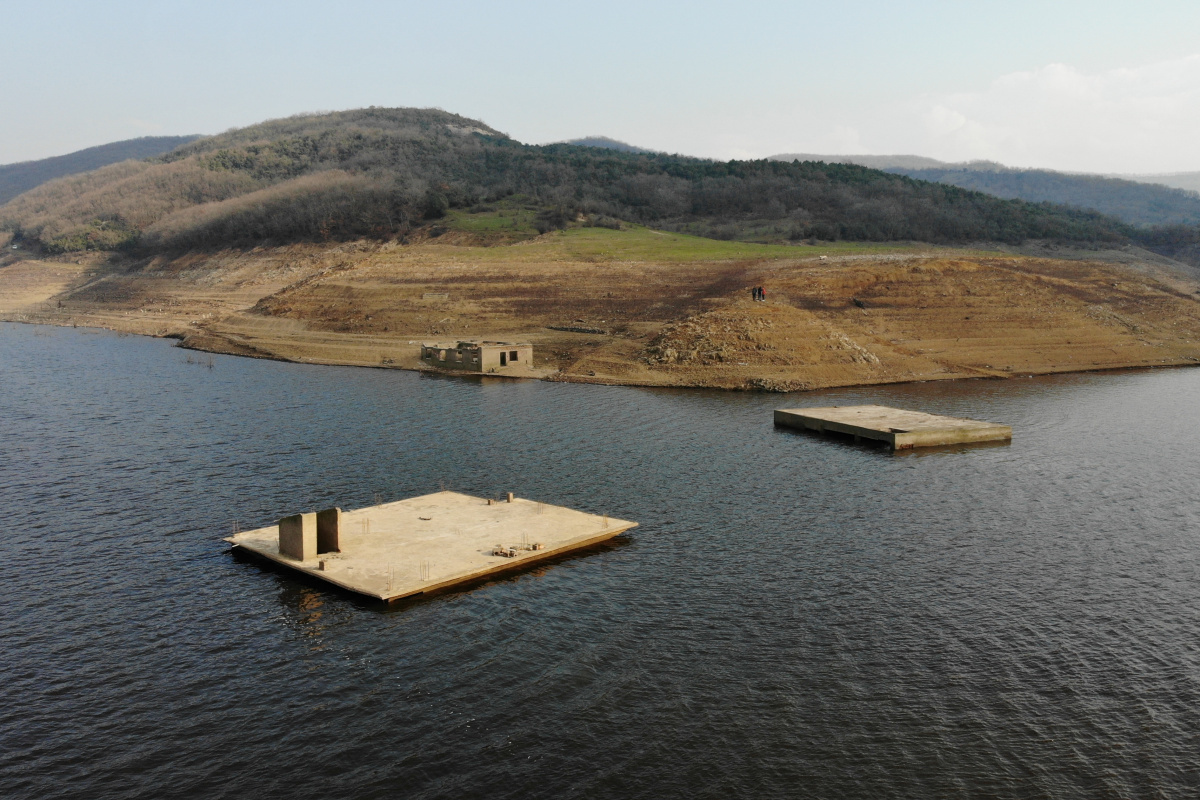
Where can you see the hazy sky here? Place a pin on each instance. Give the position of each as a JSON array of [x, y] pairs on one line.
[[1093, 86]]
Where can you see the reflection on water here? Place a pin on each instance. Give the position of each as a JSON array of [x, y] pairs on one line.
[[795, 616]]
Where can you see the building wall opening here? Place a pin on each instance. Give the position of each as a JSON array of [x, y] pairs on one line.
[[503, 358]]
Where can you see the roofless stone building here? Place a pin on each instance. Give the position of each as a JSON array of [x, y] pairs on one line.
[[478, 356]]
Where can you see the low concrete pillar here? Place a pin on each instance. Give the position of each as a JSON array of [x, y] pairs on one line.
[[329, 530], [510, 497], [298, 536]]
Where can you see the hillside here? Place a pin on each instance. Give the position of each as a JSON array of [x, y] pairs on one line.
[[632, 306], [1129, 200], [1188, 181], [386, 173], [26, 175], [1136, 203]]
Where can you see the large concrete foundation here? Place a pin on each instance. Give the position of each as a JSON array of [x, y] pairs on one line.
[[426, 543], [898, 428]]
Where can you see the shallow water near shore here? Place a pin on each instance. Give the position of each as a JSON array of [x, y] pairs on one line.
[[796, 615]]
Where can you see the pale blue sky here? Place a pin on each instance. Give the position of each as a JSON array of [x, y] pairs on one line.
[[1096, 86]]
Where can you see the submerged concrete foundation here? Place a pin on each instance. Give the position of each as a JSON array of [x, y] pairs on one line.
[[898, 428], [425, 543]]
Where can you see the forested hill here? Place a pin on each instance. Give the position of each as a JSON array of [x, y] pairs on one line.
[[21, 177], [381, 172], [1138, 201], [1179, 180]]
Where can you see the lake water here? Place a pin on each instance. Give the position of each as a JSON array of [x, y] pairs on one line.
[[797, 616]]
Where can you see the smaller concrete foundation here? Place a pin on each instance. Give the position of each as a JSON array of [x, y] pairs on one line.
[[898, 428]]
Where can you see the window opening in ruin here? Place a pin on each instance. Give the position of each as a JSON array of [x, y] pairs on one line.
[[512, 356]]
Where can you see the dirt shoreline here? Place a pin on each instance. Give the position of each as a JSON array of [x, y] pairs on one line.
[[639, 308], [555, 377]]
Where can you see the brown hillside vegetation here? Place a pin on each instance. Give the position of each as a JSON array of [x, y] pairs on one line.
[[382, 173], [635, 306], [23, 176]]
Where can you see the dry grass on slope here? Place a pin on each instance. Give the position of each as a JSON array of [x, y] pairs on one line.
[[926, 318], [615, 307], [642, 307], [123, 198]]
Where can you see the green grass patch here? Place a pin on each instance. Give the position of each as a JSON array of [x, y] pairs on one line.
[[633, 242], [513, 221], [637, 243]]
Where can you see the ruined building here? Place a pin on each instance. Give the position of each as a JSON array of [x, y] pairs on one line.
[[488, 357]]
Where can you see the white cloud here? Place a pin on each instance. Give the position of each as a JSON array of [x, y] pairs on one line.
[[942, 121], [1138, 119]]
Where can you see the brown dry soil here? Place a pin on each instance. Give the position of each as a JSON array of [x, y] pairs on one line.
[[647, 308]]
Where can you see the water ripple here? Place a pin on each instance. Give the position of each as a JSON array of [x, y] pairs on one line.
[[797, 616]]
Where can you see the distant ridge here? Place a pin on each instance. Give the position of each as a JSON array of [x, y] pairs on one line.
[[607, 144], [1136, 199], [874, 162], [1189, 181], [25, 175]]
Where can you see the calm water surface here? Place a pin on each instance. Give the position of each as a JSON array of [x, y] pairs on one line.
[[795, 617]]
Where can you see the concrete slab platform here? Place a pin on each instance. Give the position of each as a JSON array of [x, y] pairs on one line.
[[900, 429], [435, 541]]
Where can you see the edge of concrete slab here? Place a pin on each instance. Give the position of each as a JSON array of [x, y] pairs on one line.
[[977, 433], [517, 564], [937, 438]]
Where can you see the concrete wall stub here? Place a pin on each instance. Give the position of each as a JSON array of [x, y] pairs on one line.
[[298, 536], [329, 529]]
